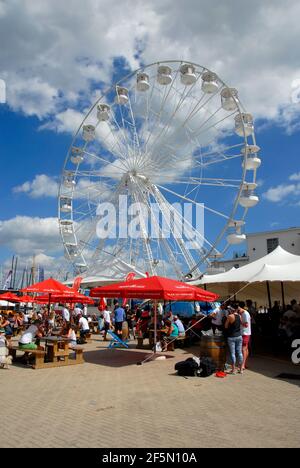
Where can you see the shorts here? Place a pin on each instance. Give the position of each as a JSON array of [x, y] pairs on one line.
[[119, 326], [246, 341], [106, 326], [30, 346]]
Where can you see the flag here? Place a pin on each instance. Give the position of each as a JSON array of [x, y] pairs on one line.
[[6, 285], [102, 304], [77, 283]]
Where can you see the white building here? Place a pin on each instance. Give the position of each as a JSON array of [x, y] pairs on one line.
[[260, 244]]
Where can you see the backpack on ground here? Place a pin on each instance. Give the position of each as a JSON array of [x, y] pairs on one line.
[[207, 367], [188, 368]]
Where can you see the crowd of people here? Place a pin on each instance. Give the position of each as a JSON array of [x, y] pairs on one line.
[[236, 322]]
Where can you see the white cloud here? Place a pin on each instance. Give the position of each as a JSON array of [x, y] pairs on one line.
[[41, 186], [55, 50], [295, 177], [68, 121], [27, 236], [277, 194]]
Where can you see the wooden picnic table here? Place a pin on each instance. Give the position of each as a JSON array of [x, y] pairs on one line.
[[57, 347]]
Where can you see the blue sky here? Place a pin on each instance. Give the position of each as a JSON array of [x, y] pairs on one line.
[[49, 84]]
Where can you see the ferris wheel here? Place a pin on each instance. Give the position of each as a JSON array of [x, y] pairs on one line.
[[170, 135]]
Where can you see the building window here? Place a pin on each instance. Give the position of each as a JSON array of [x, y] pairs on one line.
[[272, 244]]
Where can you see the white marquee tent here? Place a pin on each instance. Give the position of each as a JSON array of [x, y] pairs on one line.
[[275, 276]]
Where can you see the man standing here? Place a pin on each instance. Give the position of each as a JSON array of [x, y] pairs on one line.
[[66, 314], [218, 316], [77, 311], [246, 332], [120, 317], [107, 322]]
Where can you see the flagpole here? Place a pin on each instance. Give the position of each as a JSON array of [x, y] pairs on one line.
[[12, 270]]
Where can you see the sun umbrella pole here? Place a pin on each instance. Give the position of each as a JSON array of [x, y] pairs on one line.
[[49, 304], [269, 295], [155, 326], [283, 295]]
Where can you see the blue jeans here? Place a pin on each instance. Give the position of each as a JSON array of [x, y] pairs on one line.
[[236, 350]]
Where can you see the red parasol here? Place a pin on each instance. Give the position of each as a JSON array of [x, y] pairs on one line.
[[50, 286], [27, 299], [66, 298], [156, 288], [10, 297]]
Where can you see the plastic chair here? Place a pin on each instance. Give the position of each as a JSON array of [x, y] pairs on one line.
[[116, 342]]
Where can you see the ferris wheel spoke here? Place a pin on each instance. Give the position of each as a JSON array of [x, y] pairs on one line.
[[105, 161], [213, 182], [167, 93], [177, 225], [182, 97], [198, 107], [226, 148], [222, 215], [215, 124], [161, 236]]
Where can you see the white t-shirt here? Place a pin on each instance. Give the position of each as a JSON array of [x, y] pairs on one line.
[[29, 335], [246, 318], [26, 318], [2, 341], [77, 311], [66, 314], [84, 325], [106, 316], [85, 311], [180, 326], [220, 314], [72, 335]]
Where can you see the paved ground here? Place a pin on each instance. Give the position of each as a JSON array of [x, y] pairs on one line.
[[112, 402]]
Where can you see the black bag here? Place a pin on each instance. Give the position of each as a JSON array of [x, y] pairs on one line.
[[81, 341], [207, 367], [188, 368]]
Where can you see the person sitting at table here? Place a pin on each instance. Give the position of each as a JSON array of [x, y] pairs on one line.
[[70, 334], [172, 333], [179, 325], [27, 340], [6, 324], [83, 326]]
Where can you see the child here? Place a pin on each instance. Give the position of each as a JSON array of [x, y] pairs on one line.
[[3, 349]]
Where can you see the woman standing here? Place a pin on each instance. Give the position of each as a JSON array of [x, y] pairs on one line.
[[233, 327]]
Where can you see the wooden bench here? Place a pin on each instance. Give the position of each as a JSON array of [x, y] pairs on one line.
[[78, 354], [179, 341], [38, 354], [62, 360]]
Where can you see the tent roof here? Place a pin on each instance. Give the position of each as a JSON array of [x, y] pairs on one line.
[[279, 265]]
